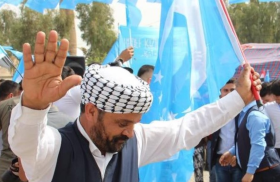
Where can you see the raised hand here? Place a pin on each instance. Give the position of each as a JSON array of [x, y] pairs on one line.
[[42, 83], [127, 54], [243, 86]]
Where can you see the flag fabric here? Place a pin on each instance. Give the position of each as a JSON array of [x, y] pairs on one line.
[[133, 14], [267, 77], [198, 53], [4, 59], [262, 75], [145, 43], [17, 77]]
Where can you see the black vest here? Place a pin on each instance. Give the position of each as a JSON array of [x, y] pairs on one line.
[[75, 162], [243, 141]]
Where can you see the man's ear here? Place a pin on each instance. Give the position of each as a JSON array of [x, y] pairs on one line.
[[91, 111], [10, 96]]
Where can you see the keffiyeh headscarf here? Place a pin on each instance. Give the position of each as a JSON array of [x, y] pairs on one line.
[[115, 90]]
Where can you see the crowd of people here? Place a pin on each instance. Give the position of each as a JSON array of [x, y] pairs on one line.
[[58, 126]]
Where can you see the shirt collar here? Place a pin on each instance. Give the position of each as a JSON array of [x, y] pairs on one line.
[[93, 149], [246, 108]]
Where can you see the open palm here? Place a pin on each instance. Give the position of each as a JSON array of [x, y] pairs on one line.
[[42, 82]]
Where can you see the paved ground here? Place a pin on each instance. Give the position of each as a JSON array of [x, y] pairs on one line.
[[206, 177]]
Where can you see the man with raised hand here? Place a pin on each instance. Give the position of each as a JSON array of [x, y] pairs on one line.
[[107, 142]]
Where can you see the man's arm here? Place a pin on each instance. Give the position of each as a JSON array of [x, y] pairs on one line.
[[258, 125], [161, 140], [34, 142]]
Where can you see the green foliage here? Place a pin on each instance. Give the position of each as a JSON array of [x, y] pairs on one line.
[[256, 22], [24, 27], [97, 27], [7, 19]]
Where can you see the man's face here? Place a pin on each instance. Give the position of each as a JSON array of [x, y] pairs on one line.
[[227, 89], [267, 98], [111, 131], [276, 98]]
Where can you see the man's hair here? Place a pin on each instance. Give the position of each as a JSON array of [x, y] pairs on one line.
[[144, 69], [266, 89], [67, 71], [275, 87], [7, 87], [232, 80], [1, 80]]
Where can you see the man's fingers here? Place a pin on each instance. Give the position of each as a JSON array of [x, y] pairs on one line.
[[221, 160], [27, 56], [50, 52], [39, 51], [256, 76], [246, 70], [68, 83], [62, 53]]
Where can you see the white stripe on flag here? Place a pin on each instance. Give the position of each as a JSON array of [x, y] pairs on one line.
[[191, 9], [231, 33]]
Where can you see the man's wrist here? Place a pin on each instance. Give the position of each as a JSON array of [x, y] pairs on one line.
[[32, 105]]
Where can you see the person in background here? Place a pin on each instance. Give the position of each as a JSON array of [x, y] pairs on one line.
[[6, 107], [272, 110], [222, 141], [198, 160], [9, 89], [146, 73], [254, 147], [265, 92]]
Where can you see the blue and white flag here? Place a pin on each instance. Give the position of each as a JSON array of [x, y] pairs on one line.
[[145, 43], [198, 54]]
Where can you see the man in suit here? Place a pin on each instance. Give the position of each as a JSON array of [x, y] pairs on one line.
[[222, 140]]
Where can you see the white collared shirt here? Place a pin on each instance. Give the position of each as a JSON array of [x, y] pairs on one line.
[[272, 110], [38, 145], [226, 135], [101, 160]]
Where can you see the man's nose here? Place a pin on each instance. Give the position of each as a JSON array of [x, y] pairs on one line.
[[128, 132]]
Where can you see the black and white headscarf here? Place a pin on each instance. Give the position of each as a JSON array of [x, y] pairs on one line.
[[115, 90]]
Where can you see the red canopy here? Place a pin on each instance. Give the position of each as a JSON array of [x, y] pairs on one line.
[[263, 57]]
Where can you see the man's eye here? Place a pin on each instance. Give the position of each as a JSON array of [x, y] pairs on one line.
[[122, 125]]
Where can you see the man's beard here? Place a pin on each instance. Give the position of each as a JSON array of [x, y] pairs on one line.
[[102, 141]]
